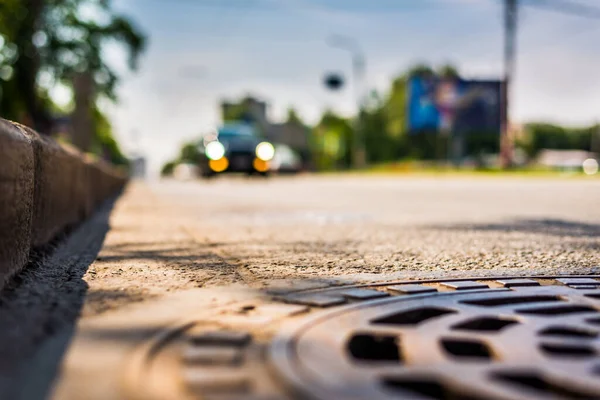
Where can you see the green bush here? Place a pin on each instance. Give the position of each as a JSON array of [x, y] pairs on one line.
[[547, 136], [168, 168]]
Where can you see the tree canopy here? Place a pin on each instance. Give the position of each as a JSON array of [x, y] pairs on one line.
[[44, 42]]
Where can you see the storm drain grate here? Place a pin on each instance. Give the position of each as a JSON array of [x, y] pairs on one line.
[[476, 339], [522, 338]]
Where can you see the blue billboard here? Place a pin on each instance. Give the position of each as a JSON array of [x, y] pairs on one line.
[[453, 105]]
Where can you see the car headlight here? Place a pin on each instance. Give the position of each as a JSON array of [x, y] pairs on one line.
[[214, 150], [265, 151]]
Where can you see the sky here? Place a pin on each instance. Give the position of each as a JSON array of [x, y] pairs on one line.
[[203, 51]]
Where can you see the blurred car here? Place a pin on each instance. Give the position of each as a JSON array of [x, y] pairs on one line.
[[286, 160], [235, 148]]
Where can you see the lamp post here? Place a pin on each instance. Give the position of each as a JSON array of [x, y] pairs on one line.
[[358, 77], [510, 28]]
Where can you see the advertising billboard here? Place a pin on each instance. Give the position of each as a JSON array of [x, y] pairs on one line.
[[453, 105]]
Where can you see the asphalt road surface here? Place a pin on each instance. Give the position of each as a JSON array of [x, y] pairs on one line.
[[171, 235], [164, 239]]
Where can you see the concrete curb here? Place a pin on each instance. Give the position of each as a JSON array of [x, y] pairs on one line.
[[44, 188], [16, 199]]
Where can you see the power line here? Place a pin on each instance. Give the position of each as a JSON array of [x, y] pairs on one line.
[[564, 36], [568, 8], [565, 7], [270, 5], [561, 6], [558, 6]]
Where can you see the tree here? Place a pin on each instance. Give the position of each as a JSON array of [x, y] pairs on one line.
[[190, 153], [380, 145], [426, 144], [422, 70], [332, 142], [54, 40], [293, 118], [548, 136], [448, 71], [168, 168], [103, 142], [395, 106], [248, 110], [19, 21], [384, 125]]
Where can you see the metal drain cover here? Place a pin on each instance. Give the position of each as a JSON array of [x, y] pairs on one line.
[[534, 338]]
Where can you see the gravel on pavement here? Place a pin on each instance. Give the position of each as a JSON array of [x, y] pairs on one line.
[[167, 236]]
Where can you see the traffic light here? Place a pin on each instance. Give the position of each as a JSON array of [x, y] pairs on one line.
[[333, 81]]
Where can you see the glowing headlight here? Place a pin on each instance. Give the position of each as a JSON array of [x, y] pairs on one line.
[[214, 150], [265, 151]]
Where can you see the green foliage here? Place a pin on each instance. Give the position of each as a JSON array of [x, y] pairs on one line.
[[547, 136], [426, 145], [478, 143], [244, 112], [383, 126], [74, 44], [380, 145], [168, 168], [104, 143], [235, 112], [395, 107], [190, 153], [48, 41], [293, 117], [331, 142], [448, 71], [420, 70]]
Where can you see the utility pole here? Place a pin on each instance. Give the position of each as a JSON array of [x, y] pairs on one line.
[[358, 80], [595, 140], [510, 32], [359, 154]]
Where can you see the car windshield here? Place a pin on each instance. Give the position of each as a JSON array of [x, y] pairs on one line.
[[232, 131]]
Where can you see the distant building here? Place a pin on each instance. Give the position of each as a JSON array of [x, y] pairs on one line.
[[138, 167], [254, 111], [291, 134]]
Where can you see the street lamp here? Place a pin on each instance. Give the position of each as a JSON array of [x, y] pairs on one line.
[[358, 76]]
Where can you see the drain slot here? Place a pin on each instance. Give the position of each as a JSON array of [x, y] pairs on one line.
[[593, 321], [567, 350], [511, 300], [540, 386], [484, 324], [557, 311], [568, 332], [413, 317], [467, 349], [426, 388], [366, 347]]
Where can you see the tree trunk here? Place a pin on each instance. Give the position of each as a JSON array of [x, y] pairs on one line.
[[26, 70], [83, 122]]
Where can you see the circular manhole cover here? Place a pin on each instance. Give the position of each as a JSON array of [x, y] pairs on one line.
[[525, 342], [519, 338]]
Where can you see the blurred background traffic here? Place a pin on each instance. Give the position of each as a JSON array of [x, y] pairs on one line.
[[308, 85]]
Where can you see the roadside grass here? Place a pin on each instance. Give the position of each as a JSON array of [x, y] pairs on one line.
[[420, 169]]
